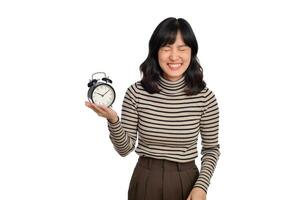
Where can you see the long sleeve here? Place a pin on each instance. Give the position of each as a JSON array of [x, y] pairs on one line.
[[209, 128], [123, 133]]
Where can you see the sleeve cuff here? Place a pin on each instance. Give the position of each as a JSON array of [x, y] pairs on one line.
[[202, 187], [115, 123]]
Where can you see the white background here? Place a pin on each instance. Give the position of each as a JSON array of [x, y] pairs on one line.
[[53, 147]]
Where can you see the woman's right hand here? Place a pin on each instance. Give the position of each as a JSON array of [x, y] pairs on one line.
[[103, 111]]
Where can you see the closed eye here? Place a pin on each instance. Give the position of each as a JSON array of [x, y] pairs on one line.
[[165, 48], [183, 49]]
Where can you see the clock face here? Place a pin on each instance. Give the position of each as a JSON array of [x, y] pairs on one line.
[[104, 94]]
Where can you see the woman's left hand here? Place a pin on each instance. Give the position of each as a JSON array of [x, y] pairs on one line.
[[197, 194]]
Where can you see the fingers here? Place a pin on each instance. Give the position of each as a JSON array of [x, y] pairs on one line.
[[189, 197], [101, 108], [91, 106], [97, 108]]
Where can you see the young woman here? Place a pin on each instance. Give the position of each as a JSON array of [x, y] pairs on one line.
[[167, 109]]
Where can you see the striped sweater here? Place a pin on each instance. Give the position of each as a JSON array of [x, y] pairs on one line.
[[168, 124]]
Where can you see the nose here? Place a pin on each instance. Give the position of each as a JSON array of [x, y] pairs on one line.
[[174, 55]]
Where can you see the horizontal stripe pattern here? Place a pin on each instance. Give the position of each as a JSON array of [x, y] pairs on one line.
[[168, 124]]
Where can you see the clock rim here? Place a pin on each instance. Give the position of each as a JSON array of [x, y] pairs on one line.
[[91, 90]]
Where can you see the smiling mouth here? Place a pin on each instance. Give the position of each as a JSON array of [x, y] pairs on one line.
[[174, 66]]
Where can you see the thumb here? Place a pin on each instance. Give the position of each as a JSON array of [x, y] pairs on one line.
[[189, 197]]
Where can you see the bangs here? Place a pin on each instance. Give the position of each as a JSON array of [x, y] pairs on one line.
[[169, 37], [166, 32]]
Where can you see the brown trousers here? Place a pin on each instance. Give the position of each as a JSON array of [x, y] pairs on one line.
[[158, 179]]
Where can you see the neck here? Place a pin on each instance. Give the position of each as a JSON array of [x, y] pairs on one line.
[[171, 78], [169, 86]]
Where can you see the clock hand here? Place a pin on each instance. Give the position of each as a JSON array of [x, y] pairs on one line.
[[106, 92], [99, 94]]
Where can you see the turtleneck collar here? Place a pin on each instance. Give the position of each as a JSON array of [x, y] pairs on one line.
[[173, 87]]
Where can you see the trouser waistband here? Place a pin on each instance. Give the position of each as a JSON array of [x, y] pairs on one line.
[[154, 163]]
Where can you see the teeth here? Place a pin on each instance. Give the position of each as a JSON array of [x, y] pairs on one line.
[[174, 65]]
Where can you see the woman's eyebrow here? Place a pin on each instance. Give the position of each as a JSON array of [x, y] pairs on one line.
[[183, 45], [178, 46]]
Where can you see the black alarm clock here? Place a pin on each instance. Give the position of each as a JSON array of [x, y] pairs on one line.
[[101, 91]]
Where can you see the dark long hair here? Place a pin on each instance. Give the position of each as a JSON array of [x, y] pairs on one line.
[[165, 33]]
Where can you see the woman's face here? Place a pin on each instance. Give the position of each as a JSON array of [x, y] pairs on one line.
[[174, 59]]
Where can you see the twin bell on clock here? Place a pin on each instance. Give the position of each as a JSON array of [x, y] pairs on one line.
[[101, 91]]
